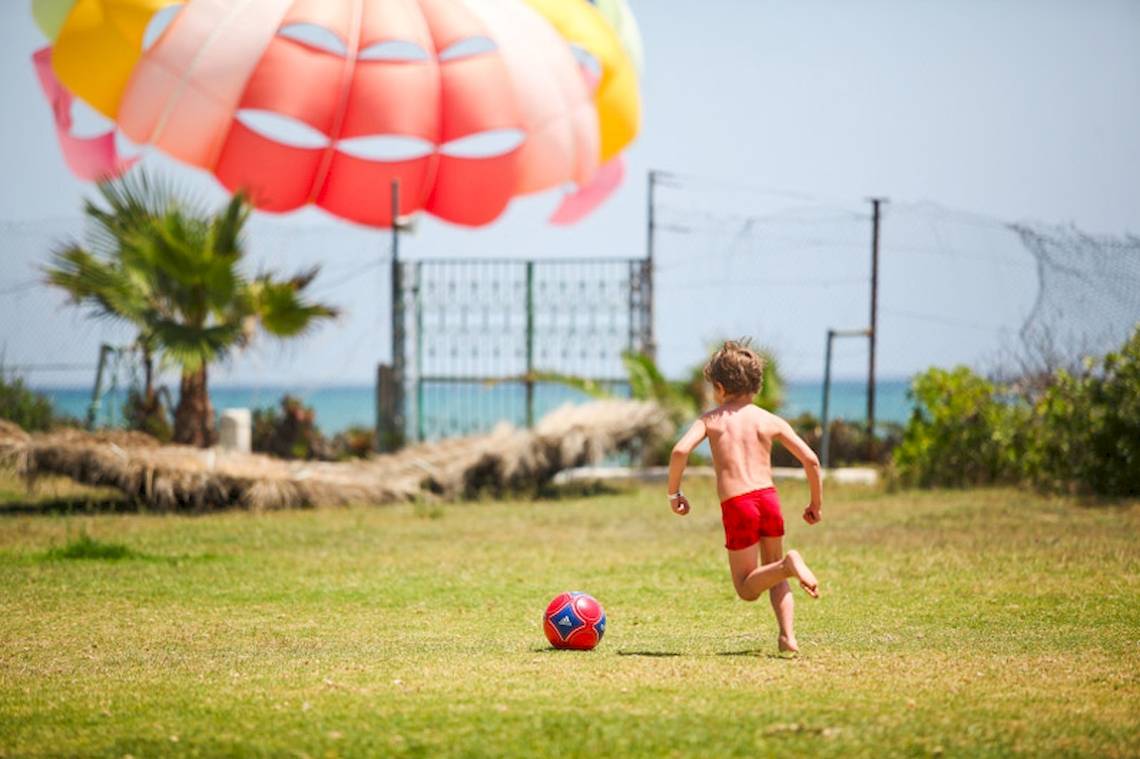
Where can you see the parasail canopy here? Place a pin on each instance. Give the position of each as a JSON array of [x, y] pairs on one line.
[[465, 103]]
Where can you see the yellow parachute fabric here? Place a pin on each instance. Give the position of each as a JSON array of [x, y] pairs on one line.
[[618, 13], [617, 98], [98, 46], [50, 15]]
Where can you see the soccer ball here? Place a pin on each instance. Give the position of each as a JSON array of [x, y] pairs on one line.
[[574, 620]]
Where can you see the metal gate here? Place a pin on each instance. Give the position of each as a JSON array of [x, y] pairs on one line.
[[473, 338]]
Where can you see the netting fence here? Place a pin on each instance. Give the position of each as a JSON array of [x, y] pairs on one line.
[[954, 287]]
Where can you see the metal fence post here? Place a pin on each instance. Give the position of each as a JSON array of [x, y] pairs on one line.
[[97, 391], [633, 284], [419, 351], [873, 330], [530, 344], [825, 443], [387, 436], [650, 347]]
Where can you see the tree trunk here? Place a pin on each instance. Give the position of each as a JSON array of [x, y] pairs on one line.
[[148, 390], [194, 417]]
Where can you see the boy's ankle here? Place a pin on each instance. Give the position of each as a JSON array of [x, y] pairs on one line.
[[786, 565]]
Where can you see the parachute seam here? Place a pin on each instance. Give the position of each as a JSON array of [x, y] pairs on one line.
[[184, 83], [320, 179]]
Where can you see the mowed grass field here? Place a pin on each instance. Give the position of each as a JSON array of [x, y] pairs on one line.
[[980, 623]]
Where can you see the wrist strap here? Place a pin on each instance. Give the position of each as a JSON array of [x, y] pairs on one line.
[[674, 496]]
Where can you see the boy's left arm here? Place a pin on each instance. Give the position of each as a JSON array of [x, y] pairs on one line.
[[677, 461], [802, 451]]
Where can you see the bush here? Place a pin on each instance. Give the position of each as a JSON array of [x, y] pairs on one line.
[[289, 434], [1087, 428], [23, 406], [354, 443], [292, 433], [962, 431], [1076, 432]]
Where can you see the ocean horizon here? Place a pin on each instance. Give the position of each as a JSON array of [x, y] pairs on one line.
[[339, 407]]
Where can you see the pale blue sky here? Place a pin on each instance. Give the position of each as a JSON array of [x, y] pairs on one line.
[[1021, 109]]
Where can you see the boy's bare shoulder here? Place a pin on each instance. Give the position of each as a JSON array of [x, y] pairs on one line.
[[713, 413], [767, 421]]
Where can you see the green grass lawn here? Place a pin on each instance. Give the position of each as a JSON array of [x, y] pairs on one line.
[[983, 622]]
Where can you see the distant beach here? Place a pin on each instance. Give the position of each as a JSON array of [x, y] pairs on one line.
[[340, 407]]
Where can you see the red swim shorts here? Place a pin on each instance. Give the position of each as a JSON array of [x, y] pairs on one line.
[[751, 516]]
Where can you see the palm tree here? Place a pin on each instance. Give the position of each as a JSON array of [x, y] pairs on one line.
[[98, 277], [172, 270]]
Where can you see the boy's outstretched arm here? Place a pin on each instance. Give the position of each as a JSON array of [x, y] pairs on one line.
[[677, 462], [806, 456]]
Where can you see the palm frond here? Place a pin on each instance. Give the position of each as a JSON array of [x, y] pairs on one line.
[[282, 310], [77, 271], [192, 347], [645, 380], [581, 384], [226, 227], [771, 395], [108, 288], [303, 279], [132, 199]]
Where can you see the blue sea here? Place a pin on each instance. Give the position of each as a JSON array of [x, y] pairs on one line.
[[465, 409]]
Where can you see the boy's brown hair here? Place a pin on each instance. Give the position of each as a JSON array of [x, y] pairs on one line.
[[737, 368]]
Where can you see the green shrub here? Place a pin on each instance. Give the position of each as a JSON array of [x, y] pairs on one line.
[[1075, 433], [290, 433], [1087, 428], [964, 430], [356, 442], [23, 406]]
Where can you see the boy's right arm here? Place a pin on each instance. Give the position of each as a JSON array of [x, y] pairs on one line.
[[806, 456], [677, 461]]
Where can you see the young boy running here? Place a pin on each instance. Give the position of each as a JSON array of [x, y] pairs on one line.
[[740, 435]]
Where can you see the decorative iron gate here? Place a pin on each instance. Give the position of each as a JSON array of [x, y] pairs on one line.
[[473, 338]]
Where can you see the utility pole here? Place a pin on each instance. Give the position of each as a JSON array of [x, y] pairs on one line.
[[395, 220], [647, 273], [397, 422], [825, 440], [874, 329]]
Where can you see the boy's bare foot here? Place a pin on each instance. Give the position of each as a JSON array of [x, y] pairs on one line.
[[788, 645], [794, 564]]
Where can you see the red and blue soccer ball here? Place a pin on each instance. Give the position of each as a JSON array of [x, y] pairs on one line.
[[574, 620]]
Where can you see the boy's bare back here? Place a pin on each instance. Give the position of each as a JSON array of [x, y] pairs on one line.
[[740, 436]]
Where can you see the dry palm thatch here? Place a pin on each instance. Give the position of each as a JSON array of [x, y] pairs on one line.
[[174, 477]]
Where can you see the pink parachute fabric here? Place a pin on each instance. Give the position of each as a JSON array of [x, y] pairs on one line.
[[476, 68], [89, 158], [578, 205]]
